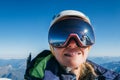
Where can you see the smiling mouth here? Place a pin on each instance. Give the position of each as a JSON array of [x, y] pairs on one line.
[[72, 54]]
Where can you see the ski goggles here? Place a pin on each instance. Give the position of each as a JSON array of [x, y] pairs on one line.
[[61, 32]]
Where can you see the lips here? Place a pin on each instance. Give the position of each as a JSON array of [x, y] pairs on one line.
[[72, 54]]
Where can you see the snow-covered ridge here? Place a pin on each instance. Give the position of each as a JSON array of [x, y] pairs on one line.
[[5, 79]]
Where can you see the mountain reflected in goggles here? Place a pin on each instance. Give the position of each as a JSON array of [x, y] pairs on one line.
[[61, 32]]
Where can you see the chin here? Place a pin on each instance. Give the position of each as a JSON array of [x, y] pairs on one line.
[[74, 64]]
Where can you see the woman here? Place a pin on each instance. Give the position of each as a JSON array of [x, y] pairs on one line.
[[70, 37]]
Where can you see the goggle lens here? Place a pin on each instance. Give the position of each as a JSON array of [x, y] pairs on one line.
[[61, 30]]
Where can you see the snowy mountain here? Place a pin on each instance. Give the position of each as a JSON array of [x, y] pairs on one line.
[[106, 59], [13, 69], [5, 79], [114, 66], [111, 63], [16, 63]]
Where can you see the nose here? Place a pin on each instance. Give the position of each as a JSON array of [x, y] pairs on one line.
[[72, 44]]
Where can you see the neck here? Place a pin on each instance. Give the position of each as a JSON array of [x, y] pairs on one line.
[[76, 71]]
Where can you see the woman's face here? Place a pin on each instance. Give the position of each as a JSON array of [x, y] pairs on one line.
[[72, 55]]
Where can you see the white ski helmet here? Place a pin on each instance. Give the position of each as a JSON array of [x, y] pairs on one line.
[[70, 13]]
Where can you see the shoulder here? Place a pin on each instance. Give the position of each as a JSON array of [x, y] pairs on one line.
[[104, 73], [40, 62]]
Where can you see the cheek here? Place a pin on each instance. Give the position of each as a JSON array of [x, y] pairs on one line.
[[58, 53], [86, 51]]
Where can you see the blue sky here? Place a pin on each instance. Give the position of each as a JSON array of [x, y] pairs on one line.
[[24, 25]]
